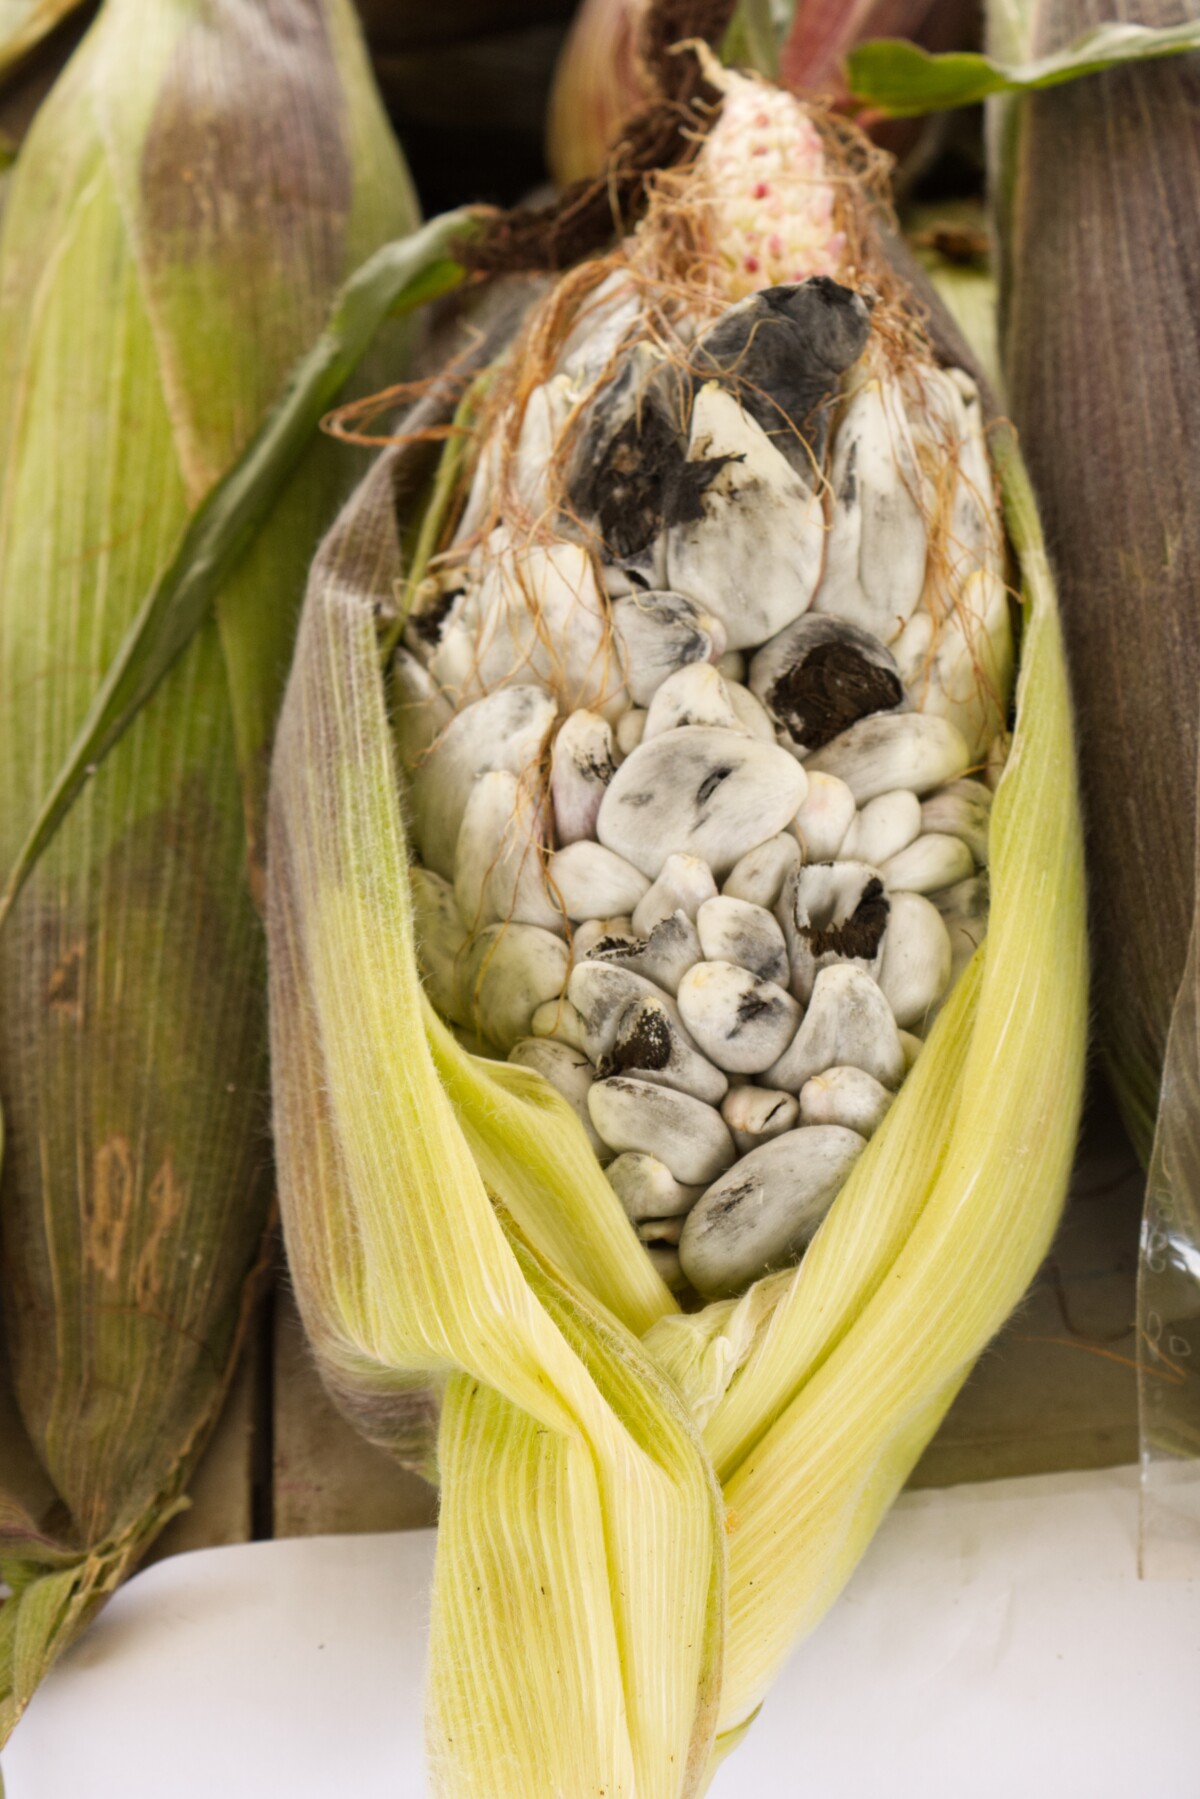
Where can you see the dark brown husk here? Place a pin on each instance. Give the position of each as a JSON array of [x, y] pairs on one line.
[[1101, 341]]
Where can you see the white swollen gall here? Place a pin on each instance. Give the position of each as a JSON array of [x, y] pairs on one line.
[[441, 939], [705, 792], [511, 970], [606, 318], [763, 1214], [600, 994], [683, 884], [876, 550], [971, 667], [499, 866], [660, 1231], [420, 710], [894, 749], [848, 1023], [751, 715], [658, 633], [588, 879], [507, 730], [885, 826], [647, 1188], [821, 676], [846, 1096], [443, 610], [756, 1114], [558, 1018], [749, 544], [963, 809], [916, 966], [593, 930], [652, 1045], [964, 912], [930, 863], [664, 1259], [690, 1137], [832, 912], [631, 727], [695, 695], [824, 817], [743, 1024], [569, 1071], [664, 957], [542, 621], [760, 874], [582, 763], [543, 422], [733, 930]]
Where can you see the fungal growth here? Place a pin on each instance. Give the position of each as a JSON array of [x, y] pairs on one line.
[[697, 694]]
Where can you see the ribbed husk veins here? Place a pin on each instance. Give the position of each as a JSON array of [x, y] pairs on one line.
[[644, 1505], [1101, 313], [194, 190]]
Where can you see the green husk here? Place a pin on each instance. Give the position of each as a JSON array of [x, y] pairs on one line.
[[903, 80], [189, 199], [558, 1360]]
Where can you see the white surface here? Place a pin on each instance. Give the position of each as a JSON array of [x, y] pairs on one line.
[[994, 1643]]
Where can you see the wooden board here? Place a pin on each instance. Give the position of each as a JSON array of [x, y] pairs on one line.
[[325, 1478]]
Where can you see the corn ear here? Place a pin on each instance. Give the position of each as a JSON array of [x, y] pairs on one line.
[[205, 181], [437, 1234], [561, 1429]]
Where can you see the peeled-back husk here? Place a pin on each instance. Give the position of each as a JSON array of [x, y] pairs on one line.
[[447, 1224], [192, 193]]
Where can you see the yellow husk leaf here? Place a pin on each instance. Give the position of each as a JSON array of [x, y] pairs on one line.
[[402, 1266]]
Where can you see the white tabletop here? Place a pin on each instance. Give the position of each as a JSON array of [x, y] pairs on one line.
[[995, 1641]]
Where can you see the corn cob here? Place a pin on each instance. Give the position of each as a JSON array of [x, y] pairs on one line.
[[715, 638], [693, 708], [184, 206]]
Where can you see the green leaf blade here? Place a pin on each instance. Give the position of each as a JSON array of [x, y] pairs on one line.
[[896, 77]]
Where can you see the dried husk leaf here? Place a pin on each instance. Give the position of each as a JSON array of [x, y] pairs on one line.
[[1097, 185], [1101, 321], [205, 176], [814, 1393]]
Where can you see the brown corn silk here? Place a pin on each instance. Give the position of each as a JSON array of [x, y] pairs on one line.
[[194, 190], [1097, 185], [641, 1509]]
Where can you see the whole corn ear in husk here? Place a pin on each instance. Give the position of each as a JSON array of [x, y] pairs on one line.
[[192, 194], [1096, 186], [643, 1505]]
